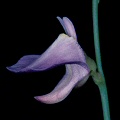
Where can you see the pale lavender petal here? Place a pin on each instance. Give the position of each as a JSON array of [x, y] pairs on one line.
[[23, 62], [74, 74], [62, 23], [64, 50], [68, 27]]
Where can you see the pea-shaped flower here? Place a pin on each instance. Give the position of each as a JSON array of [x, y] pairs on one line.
[[64, 50]]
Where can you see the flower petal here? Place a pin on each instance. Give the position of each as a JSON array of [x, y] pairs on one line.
[[64, 50], [74, 73], [23, 62], [68, 27], [62, 23]]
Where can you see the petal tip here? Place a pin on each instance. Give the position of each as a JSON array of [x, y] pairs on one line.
[[14, 69], [37, 98], [11, 69], [43, 99]]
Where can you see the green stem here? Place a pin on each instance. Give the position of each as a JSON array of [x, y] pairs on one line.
[[105, 102], [102, 87]]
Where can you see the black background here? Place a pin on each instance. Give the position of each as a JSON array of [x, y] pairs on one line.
[[30, 28]]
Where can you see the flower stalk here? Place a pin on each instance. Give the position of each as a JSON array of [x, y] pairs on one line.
[[99, 79]]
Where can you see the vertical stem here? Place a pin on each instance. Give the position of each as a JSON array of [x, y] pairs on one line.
[[102, 87], [105, 102], [96, 35]]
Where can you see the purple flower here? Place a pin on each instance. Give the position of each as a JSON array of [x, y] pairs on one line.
[[64, 50]]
